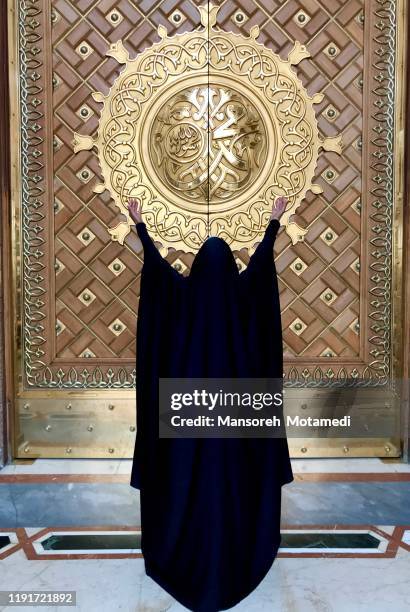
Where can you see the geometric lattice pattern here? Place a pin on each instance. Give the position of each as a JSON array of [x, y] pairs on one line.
[[79, 289], [329, 256]]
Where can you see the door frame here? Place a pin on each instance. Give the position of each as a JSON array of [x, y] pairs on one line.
[[9, 176]]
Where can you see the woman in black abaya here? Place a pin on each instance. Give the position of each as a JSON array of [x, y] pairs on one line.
[[210, 508]]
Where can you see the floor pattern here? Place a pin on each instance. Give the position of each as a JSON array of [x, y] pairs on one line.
[[74, 526], [107, 542]]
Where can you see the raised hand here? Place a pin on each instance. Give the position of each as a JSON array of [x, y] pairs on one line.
[[278, 207], [135, 209]]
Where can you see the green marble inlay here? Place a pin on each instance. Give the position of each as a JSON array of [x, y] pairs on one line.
[[329, 540], [94, 541]]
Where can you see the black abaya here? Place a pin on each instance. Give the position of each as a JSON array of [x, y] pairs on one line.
[[210, 508]]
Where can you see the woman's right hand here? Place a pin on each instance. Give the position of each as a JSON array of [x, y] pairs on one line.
[[278, 207], [135, 210]]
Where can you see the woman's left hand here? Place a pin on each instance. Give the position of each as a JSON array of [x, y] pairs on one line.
[[135, 209]]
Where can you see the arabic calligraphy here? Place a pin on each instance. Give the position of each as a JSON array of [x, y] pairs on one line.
[[208, 144]]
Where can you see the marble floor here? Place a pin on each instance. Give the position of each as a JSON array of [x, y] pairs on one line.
[[74, 525]]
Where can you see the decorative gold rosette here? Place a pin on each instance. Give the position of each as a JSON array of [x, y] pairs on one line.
[[207, 128]]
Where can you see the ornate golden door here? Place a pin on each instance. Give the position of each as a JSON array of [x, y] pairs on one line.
[[207, 113]]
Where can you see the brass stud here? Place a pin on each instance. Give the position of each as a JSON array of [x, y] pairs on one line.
[[331, 50], [68, 407], [27, 449], [86, 236], [26, 406], [117, 327], [301, 19], [179, 266], [239, 265], [90, 428], [84, 49], [304, 406], [87, 297], [303, 449], [297, 326], [331, 112], [355, 266], [328, 296], [68, 450], [329, 236], [48, 428], [110, 406], [240, 17], [357, 326], [387, 448], [323, 354], [114, 17], [116, 267], [111, 450], [177, 17], [345, 449], [298, 266], [330, 175], [132, 428], [84, 112]]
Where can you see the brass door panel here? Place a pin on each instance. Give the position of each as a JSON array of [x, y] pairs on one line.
[[77, 263]]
